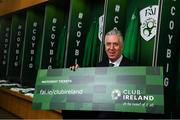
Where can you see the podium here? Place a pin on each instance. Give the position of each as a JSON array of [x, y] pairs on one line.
[[21, 106]]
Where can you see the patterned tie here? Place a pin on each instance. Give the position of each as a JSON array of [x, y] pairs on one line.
[[111, 64]]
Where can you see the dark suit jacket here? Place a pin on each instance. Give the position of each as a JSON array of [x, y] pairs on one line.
[[125, 62]]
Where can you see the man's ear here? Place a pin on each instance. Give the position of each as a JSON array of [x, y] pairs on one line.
[[122, 48]]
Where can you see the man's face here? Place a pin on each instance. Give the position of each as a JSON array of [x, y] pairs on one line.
[[113, 47]]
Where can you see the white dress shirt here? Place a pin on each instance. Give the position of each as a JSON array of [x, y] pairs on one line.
[[117, 62]]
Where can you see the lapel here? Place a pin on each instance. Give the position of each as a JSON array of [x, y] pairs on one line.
[[124, 61]]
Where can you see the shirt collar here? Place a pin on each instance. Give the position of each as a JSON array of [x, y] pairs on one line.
[[117, 62]]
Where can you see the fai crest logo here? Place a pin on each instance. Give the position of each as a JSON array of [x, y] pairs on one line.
[[149, 19]]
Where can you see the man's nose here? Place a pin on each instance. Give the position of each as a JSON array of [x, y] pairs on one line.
[[111, 46]]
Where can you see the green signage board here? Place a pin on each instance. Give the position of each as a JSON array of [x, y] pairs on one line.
[[54, 34], [115, 15], [148, 15], [16, 46], [83, 45], [5, 32], [32, 45], [121, 89], [167, 53]]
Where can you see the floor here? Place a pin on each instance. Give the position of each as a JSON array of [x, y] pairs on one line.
[[6, 115]]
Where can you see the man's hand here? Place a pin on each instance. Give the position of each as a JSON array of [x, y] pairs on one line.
[[74, 67]]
